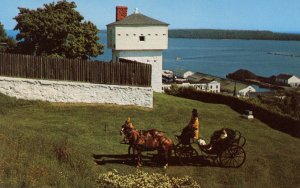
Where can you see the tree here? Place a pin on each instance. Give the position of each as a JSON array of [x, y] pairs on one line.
[[6, 43], [57, 29]]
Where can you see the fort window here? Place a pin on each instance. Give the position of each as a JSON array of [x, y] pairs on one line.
[[142, 38]]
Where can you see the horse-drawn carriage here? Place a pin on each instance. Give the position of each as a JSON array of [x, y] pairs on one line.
[[226, 146]]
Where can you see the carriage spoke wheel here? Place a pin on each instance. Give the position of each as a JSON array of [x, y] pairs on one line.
[[186, 153], [234, 156]]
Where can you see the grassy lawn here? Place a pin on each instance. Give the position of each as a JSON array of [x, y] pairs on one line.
[[53, 144]]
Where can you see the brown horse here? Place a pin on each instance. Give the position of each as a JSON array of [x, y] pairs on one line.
[[127, 127], [148, 141]]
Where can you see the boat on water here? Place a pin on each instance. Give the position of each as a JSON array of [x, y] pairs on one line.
[[178, 58]]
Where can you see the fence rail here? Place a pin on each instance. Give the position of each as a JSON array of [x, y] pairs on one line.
[[124, 72]]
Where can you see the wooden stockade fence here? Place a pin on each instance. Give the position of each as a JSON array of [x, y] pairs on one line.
[[124, 72]]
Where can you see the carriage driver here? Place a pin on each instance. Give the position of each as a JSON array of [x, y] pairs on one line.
[[191, 131], [194, 122]]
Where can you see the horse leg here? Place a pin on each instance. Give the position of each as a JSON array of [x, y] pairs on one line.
[[166, 157], [168, 153], [139, 158]]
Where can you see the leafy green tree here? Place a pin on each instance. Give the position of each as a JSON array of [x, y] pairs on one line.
[[6, 43], [57, 29]]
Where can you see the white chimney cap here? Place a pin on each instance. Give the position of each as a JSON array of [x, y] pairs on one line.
[[136, 11]]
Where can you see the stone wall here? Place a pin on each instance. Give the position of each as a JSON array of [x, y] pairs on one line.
[[74, 92]]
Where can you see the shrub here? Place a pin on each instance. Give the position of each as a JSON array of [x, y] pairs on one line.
[[143, 179], [173, 90]]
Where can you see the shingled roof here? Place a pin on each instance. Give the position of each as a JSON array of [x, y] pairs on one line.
[[284, 76], [138, 19]]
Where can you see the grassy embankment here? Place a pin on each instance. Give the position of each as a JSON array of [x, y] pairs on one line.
[[52, 144]]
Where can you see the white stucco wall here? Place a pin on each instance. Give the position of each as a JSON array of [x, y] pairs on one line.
[[153, 57], [128, 37], [74, 92]]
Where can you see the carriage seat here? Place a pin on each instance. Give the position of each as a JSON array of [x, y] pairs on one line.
[[219, 140]]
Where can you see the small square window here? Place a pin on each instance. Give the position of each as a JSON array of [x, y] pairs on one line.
[[119, 34], [126, 34], [142, 38]]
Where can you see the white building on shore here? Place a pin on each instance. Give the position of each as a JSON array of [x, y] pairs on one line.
[[209, 86], [139, 38], [287, 79], [245, 92]]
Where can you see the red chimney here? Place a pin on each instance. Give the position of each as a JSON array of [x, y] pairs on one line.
[[121, 12]]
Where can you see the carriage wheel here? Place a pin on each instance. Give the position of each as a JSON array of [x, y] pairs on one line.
[[242, 141], [177, 149], [186, 153], [234, 156]]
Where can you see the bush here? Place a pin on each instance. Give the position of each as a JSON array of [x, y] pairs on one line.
[[143, 179], [173, 90]]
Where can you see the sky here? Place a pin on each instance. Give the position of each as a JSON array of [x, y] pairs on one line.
[[273, 15]]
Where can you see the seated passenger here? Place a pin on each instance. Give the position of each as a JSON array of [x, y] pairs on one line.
[[217, 139]]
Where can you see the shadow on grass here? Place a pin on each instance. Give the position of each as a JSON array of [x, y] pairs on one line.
[[154, 160]]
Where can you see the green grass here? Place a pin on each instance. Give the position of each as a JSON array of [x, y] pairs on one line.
[[35, 135]]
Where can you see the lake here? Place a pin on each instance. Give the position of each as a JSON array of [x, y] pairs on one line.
[[220, 57]]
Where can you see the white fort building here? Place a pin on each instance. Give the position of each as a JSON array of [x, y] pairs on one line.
[[139, 38]]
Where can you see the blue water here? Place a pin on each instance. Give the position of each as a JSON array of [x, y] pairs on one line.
[[220, 57]]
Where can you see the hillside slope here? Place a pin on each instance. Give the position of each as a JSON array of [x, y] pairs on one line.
[[53, 144]]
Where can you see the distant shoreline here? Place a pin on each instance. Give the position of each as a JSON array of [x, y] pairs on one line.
[[232, 34], [217, 34]]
